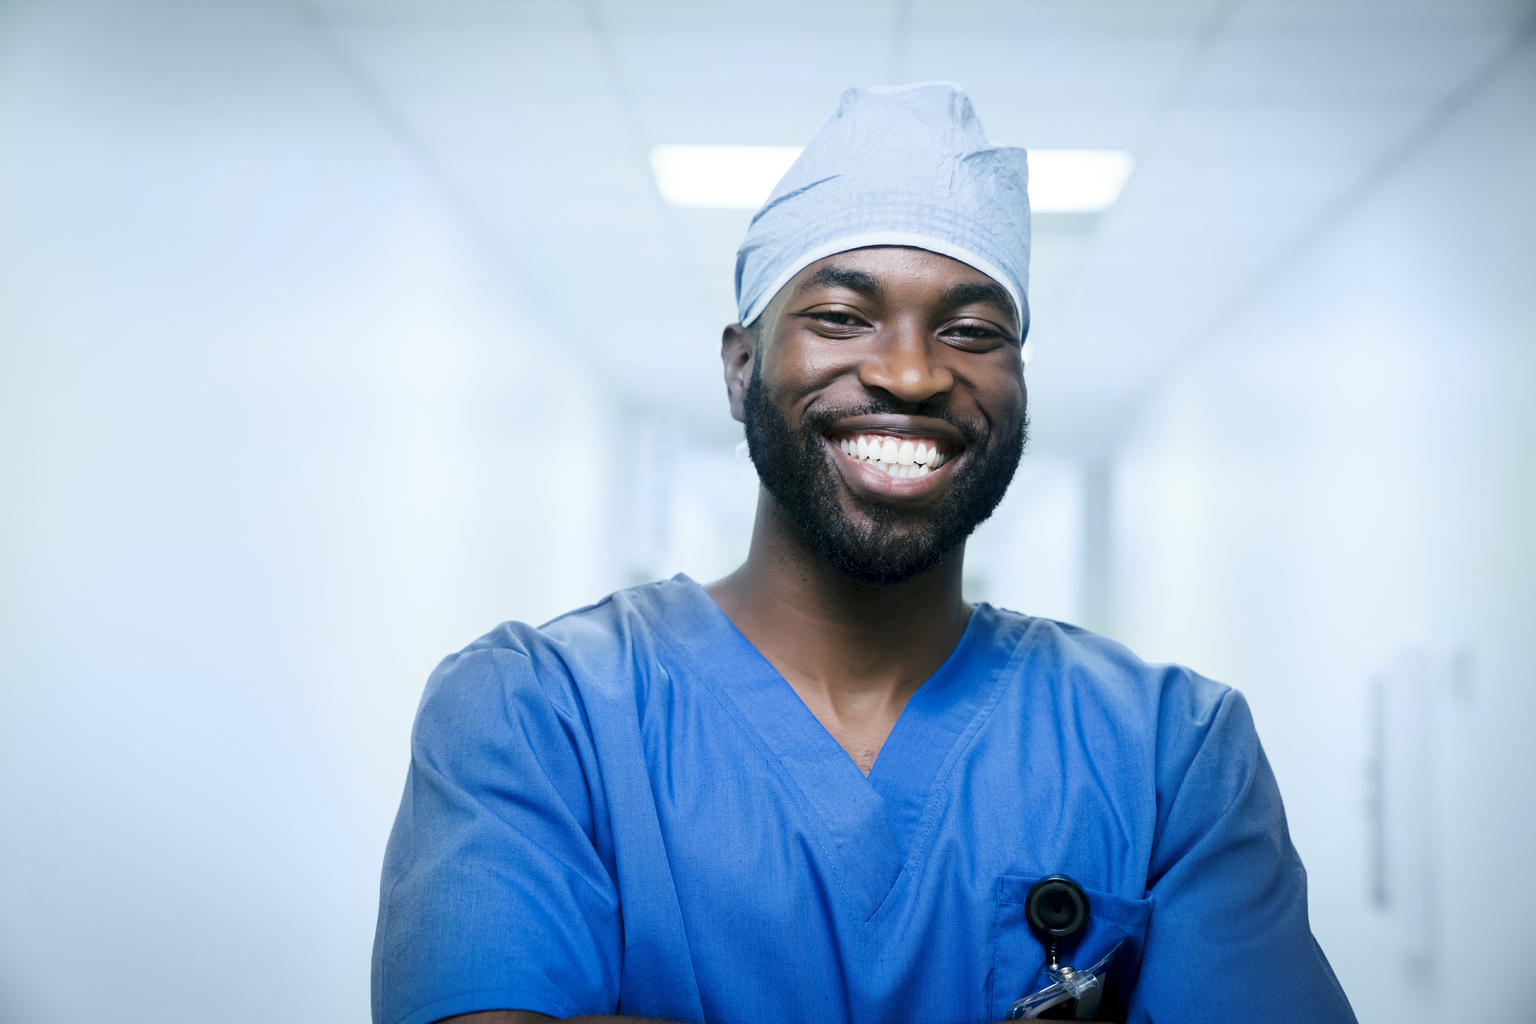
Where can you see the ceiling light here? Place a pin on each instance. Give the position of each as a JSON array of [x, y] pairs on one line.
[[720, 177], [1076, 180], [741, 177]]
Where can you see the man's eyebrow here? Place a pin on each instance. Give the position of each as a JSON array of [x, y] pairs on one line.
[[844, 277], [979, 291]]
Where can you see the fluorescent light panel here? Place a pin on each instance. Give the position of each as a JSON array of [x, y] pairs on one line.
[[741, 177], [1076, 180], [720, 177]]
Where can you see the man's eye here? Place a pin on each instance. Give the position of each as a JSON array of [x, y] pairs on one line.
[[973, 333], [837, 319]]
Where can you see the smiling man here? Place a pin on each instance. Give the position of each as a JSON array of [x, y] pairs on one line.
[[826, 788]]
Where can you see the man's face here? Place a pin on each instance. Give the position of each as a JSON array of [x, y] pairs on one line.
[[885, 406]]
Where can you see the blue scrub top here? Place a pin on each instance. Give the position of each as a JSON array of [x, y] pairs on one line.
[[630, 811]]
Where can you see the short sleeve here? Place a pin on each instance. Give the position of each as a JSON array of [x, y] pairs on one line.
[[493, 894], [1229, 938]]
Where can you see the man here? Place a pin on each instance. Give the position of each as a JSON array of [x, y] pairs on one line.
[[822, 788]]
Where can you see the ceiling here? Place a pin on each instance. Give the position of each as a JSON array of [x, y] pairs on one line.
[[1254, 124]]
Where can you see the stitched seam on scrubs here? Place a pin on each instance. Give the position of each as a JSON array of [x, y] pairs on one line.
[[1094, 765], [811, 816], [579, 720], [632, 699], [573, 722], [445, 781], [607, 897], [920, 847], [1217, 713], [808, 809]]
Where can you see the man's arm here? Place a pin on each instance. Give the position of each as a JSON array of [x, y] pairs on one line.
[[1228, 937], [493, 892], [529, 1017]]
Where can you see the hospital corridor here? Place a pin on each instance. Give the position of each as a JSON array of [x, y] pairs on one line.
[[334, 333]]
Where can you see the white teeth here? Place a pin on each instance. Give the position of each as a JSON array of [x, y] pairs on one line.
[[898, 457]]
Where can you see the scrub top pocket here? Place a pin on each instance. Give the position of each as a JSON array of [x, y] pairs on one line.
[[1018, 956]]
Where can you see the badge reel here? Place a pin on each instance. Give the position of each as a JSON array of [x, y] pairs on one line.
[[1057, 910]]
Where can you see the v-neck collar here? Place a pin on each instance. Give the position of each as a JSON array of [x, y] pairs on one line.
[[936, 716], [874, 825]]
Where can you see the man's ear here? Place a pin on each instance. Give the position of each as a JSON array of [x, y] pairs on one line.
[[738, 347]]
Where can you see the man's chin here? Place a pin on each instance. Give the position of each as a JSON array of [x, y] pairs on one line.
[[876, 554], [870, 571]]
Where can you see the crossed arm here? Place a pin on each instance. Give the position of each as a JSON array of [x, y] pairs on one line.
[[529, 1017]]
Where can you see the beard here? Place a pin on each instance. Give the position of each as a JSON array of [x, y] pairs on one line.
[[894, 542]]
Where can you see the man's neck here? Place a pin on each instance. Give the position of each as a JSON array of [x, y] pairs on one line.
[[854, 652]]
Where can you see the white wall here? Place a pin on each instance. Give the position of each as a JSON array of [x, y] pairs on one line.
[[271, 443], [1342, 483]]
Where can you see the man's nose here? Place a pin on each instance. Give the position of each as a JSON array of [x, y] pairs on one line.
[[903, 362]]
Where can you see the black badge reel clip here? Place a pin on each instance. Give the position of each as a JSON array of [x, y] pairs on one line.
[[1057, 911]]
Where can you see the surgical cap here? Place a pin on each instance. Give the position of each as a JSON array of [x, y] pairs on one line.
[[894, 165]]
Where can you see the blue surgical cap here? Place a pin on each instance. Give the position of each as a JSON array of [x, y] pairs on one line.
[[894, 165]]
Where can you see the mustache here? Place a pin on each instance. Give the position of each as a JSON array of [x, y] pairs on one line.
[[819, 421]]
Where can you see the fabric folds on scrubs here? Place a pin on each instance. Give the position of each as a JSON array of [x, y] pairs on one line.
[[630, 811], [894, 165]]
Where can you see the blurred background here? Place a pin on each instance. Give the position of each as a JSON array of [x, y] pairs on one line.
[[333, 333]]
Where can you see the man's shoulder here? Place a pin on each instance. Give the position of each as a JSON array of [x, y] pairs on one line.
[[574, 656], [1083, 687], [1069, 659]]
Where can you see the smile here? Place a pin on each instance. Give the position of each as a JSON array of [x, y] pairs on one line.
[[898, 456]]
